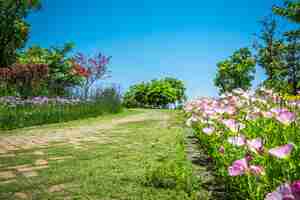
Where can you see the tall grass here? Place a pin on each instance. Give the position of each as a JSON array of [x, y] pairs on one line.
[[25, 115]]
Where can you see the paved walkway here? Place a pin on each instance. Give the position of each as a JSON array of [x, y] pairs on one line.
[[34, 140], [72, 134]]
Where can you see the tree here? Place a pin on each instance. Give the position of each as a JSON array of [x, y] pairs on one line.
[[94, 69], [270, 52], [179, 87], [236, 72], [291, 10], [155, 94], [293, 60], [13, 28], [63, 73]]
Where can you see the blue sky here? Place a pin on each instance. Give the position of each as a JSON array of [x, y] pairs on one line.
[[150, 39]]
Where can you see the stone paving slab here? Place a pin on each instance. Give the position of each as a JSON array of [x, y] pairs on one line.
[[30, 174], [28, 169], [74, 135], [7, 175]]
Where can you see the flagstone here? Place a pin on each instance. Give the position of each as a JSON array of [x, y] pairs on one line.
[[30, 174], [41, 162], [7, 175]]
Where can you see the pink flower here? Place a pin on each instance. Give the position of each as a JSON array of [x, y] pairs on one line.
[[208, 130], [237, 140], [221, 150], [257, 170], [286, 117], [267, 114], [282, 151], [255, 145], [283, 192], [239, 167], [233, 125], [296, 186]]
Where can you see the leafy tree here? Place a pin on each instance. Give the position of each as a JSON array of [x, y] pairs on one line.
[[291, 10], [292, 57], [62, 70], [93, 68], [179, 87], [13, 28], [155, 94], [236, 72], [160, 94], [270, 53]]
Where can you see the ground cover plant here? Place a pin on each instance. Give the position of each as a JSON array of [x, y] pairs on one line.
[[253, 140]]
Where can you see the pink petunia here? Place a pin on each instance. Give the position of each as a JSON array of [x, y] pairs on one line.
[[208, 130], [237, 140], [286, 117], [255, 145], [239, 167], [257, 170], [283, 192], [282, 151]]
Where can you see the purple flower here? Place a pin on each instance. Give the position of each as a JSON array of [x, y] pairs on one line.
[[282, 151]]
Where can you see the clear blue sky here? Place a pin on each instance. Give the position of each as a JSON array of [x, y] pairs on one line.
[[149, 39]]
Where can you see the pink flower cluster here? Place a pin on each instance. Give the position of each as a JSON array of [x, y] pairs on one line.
[[230, 119], [286, 192]]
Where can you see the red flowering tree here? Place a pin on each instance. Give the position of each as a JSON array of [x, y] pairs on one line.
[[26, 79], [92, 68]]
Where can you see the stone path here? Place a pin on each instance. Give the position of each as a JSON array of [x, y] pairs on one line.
[[34, 140], [73, 135]]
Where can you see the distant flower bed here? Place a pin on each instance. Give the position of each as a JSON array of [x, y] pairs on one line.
[[17, 113], [253, 140], [12, 101]]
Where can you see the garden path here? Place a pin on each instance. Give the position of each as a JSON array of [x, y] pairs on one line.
[[72, 133]]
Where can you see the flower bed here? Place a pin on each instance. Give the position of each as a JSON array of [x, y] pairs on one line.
[[253, 140], [17, 113]]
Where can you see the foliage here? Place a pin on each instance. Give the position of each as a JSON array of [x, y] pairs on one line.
[[155, 94], [270, 54], [292, 57], [252, 139], [93, 68], [25, 79], [236, 72], [13, 29], [291, 10], [172, 172], [18, 113], [63, 72]]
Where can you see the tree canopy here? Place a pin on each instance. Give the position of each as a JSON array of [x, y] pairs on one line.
[[155, 94], [291, 10]]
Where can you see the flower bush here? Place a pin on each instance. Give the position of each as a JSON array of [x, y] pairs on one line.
[[253, 139]]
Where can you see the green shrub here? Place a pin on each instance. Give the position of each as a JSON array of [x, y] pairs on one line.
[[155, 94]]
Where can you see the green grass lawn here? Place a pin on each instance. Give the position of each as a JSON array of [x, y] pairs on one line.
[[142, 159]]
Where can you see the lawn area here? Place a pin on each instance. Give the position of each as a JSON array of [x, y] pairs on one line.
[[138, 154]]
